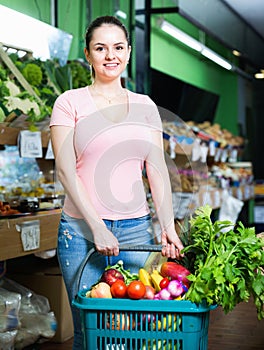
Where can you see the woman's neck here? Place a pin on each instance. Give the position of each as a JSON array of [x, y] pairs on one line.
[[108, 85], [109, 92]]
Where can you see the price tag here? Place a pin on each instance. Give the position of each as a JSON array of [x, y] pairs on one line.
[[217, 199], [196, 151], [212, 148], [30, 144], [204, 153], [259, 214], [233, 156], [218, 154], [239, 194], [224, 156], [172, 147], [207, 198], [30, 235], [247, 192], [49, 153]]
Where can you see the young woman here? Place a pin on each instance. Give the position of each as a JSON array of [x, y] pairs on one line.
[[103, 136]]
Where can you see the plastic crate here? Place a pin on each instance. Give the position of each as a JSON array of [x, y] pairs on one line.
[[124, 324]]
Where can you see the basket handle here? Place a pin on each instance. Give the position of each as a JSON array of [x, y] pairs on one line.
[[123, 247]]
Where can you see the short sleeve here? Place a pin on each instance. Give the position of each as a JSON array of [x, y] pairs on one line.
[[153, 117], [63, 112]]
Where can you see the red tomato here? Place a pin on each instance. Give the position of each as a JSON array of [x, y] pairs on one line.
[[118, 289], [136, 290], [164, 283]]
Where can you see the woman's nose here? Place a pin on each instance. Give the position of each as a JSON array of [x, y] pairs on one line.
[[110, 55]]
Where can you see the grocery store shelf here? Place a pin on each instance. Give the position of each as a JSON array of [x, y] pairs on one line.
[[9, 136], [10, 236]]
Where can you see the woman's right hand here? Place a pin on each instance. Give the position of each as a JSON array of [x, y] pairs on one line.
[[105, 242]]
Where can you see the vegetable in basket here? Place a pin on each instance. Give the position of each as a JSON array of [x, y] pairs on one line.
[[175, 271], [100, 290], [173, 290], [227, 264], [128, 276], [110, 276]]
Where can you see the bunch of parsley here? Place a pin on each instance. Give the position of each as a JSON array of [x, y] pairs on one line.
[[227, 265]]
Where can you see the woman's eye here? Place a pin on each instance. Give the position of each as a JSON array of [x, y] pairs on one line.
[[99, 49], [119, 48]]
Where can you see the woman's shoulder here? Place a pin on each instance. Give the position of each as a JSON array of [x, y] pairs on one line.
[[74, 93], [140, 98]]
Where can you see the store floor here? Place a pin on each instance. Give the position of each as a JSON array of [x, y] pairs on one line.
[[238, 330]]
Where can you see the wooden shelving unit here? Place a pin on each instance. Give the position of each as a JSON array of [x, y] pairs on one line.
[[10, 237], [9, 136]]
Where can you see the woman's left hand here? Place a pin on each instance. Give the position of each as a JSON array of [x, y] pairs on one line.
[[171, 245]]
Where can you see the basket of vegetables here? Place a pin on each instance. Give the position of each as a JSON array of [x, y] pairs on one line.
[[168, 306]]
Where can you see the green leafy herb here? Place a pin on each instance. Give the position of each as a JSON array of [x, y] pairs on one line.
[[227, 265]]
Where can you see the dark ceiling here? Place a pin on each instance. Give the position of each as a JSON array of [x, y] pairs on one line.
[[238, 24], [252, 12]]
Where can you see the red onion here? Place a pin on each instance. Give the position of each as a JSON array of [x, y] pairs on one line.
[[165, 294], [175, 288]]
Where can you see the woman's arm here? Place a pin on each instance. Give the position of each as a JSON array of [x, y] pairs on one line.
[[62, 144], [160, 187]]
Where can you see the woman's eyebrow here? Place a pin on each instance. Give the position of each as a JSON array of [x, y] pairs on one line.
[[115, 44]]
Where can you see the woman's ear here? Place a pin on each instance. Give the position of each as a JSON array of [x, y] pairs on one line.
[[129, 52], [87, 56]]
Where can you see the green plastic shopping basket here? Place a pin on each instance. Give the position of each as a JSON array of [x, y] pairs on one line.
[[124, 324]]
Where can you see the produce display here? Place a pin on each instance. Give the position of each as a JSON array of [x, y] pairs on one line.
[[48, 80], [230, 175], [208, 131], [6, 210], [222, 265]]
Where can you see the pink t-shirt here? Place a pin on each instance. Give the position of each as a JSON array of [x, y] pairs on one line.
[[109, 156]]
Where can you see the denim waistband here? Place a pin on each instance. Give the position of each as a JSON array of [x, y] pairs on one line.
[[127, 223]]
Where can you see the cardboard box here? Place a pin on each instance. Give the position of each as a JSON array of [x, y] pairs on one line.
[[49, 283]]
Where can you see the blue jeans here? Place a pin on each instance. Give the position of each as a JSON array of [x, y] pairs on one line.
[[75, 241]]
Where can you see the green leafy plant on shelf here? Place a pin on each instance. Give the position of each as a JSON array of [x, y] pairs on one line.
[[48, 79]]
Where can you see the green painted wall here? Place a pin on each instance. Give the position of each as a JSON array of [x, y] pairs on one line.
[[175, 59], [36, 9], [72, 19]]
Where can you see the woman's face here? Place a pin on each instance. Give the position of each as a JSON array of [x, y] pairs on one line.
[[108, 52]]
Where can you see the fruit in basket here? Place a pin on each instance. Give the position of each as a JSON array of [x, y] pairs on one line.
[[164, 322], [175, 271], [119, 289], [136, 290], [101, 290], [144, 277], [111, 275], [118, 321], [156, 278], [164, 282]]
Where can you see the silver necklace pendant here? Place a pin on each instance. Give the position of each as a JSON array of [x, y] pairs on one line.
[[107, 98]]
